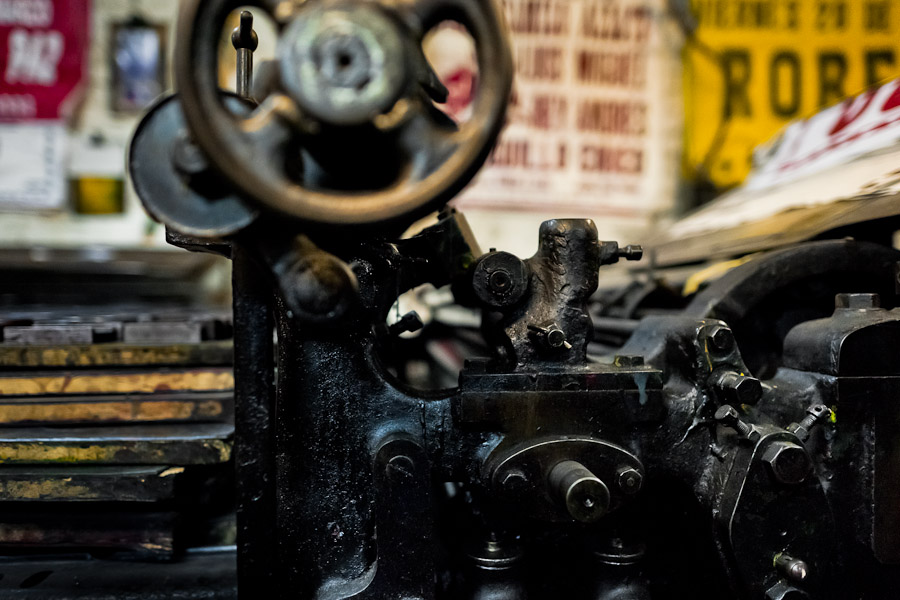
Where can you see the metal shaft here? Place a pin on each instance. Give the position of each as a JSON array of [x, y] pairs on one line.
[[245, 41]]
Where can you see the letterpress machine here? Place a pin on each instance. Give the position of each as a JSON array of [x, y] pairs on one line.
[[743, 446]]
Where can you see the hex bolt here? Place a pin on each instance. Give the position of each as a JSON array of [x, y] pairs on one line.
[[720, 338], [788, 462], [631, 252], [584, 495], [737, 388], [630, 480], [815, 414], [729, 417], [400, 468], [792, 569], [857, 301], [549, 337]]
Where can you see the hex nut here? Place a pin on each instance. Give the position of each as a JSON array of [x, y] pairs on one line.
[[720, 338], [857, 301], [788, 463], [630, 480]]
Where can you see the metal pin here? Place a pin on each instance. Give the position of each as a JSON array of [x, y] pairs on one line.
[[245, 41]]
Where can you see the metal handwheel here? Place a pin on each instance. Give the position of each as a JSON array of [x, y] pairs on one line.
[[352, 82]]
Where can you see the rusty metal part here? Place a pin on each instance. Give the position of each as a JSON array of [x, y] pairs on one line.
[[88, 483], [251, 152], [114, 382], [131, 444], [137, 408], [215, 353]]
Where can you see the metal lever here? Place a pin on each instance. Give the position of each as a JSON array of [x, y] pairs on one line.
[[245, 41]]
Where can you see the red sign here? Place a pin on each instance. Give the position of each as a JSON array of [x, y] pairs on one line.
[[43, 56]]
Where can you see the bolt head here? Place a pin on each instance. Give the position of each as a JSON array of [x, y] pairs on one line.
[[720, 338], [747, 390], [556, 337], [630, 480], [788, 462], [857, 301], [726, 414]]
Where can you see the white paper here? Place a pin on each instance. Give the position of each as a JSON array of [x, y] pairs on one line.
[[32, 165]]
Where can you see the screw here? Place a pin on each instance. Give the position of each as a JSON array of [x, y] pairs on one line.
[[551, 337], [720, 338], [738, 388], [788, 463], [728, 416], [857, 301], [815, 414], [409, 322], [400, 468], [630, 480], [631, 252], [791, 568]]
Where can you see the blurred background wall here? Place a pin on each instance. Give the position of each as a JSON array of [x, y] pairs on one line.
[[627, 111]]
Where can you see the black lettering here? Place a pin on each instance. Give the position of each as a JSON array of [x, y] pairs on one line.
[[832, 73], [781, 106], [874, 59], [877, 16], [793, 12], [736, 69]]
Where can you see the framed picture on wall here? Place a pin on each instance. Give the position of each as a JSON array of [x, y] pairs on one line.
[[138, 64]]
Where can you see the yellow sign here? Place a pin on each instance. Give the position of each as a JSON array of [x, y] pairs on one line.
[[752, 66]]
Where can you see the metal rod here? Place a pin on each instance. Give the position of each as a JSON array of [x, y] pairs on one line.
[[245, 41]]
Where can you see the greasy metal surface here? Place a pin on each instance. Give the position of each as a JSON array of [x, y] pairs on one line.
[[126, 444], [112, 382], [196, 576], [254, 444], [140, 408], [88, 484], [534, 464], [213, 353]]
